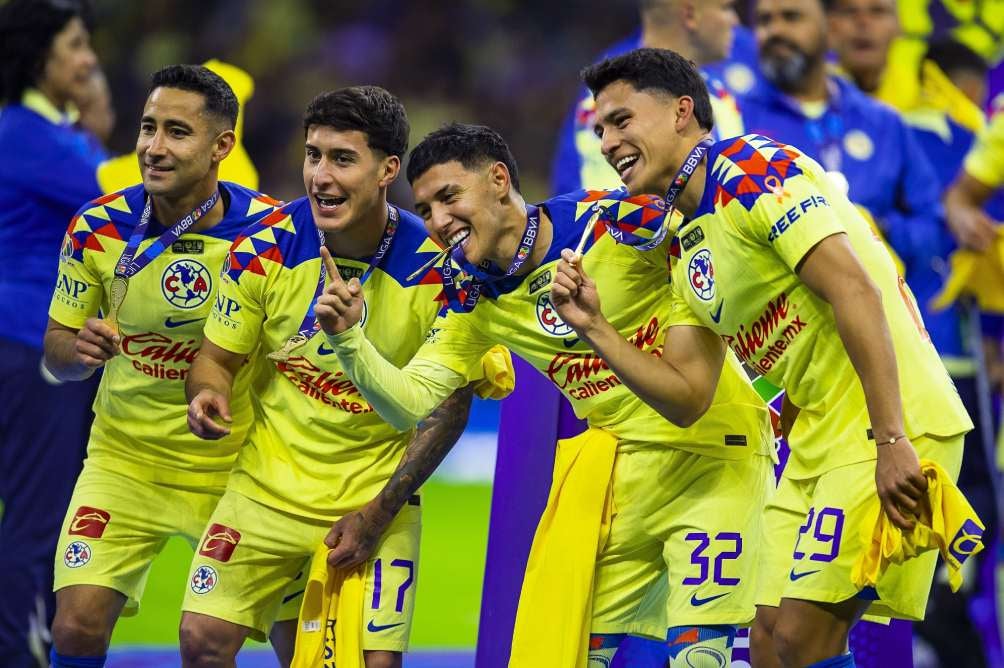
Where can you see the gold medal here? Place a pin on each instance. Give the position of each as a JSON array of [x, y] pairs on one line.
[[292, 343], [116, 296]]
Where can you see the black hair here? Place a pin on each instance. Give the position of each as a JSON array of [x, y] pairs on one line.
[[27, 29], [369, 109], [654, 69], [470, 145], [952, 56], [219, 97]]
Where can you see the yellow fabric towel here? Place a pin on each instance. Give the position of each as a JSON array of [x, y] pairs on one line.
[[949, 525], [331, 596], [978, 274], [123, 171], [499, 377], [555, 603]]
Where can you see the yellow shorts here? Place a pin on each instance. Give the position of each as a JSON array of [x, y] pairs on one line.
[[812, 539], [117, 524], [682, 542], [251, 569]]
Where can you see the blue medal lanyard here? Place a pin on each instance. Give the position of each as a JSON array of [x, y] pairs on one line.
[[483, 274], [309, 326], [129, 264], [694, 158]]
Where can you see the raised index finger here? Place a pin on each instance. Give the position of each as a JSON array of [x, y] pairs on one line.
[[331, 267]]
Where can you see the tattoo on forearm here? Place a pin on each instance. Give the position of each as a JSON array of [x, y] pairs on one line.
[[435, 437]]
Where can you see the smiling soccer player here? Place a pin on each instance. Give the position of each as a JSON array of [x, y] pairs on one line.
[[149, 258], [776, 264]]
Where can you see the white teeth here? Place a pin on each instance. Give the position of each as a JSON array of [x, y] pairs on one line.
[[458, 237], [625, 162]]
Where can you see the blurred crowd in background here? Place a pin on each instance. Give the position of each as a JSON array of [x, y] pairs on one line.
[[514, 65]]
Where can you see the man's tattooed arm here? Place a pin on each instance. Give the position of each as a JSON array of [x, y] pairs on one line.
[[354, 537]]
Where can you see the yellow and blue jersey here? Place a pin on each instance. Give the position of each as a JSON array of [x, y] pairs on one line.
[[317, 448], [634, 291], [764, 207], [140, 408]]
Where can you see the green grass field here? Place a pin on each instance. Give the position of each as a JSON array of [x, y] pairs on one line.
[[451, 566]]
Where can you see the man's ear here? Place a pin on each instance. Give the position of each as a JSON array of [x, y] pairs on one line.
[[390, 167]]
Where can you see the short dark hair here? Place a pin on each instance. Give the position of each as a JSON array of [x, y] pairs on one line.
[[952, 56], [219, 97], [470, 145], [27, 28], [371, 110], [654, 69]]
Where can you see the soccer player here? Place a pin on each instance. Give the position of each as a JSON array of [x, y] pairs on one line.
[[702, 31], [47, 167], [318, 453], [149, 258], [684, 496], [776, 264]]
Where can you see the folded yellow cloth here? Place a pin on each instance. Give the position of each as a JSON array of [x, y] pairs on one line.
[[331, 614], [949, 524], [978, 274], [555, 602], [123, 171], [499, 377]]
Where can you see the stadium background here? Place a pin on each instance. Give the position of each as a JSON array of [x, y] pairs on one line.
[[509, 64]]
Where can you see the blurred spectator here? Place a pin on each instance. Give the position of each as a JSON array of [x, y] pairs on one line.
[[861, 32], [47, 170], [703, 32], [97, 115], [863, 144]]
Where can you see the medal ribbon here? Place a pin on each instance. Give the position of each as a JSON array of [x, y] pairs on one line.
[[675, 188], [129, 265], [309, 327], [486, 273]]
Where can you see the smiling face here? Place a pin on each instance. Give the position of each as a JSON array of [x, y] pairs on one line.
[[343, 177], [638, 134], [179, 143], [461, 205], [69, 65]]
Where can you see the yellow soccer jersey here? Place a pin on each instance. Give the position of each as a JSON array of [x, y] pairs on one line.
[[634, 292], [764, 207], [318, 448], [140, 407], [985, 161]]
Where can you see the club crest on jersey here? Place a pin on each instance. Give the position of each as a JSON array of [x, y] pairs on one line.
[[186, 284], [204, 579], [220, 542], [77, 554], [90, 522], [702, 275], [549, 319]]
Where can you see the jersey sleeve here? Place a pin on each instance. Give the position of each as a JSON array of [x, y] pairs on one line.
[[985, 161], [795, 215], [456, 342], [680, 312], [79, 292], [235, 321]]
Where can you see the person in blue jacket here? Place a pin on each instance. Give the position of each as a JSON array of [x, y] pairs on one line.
[[47, 168], [863, 144]]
